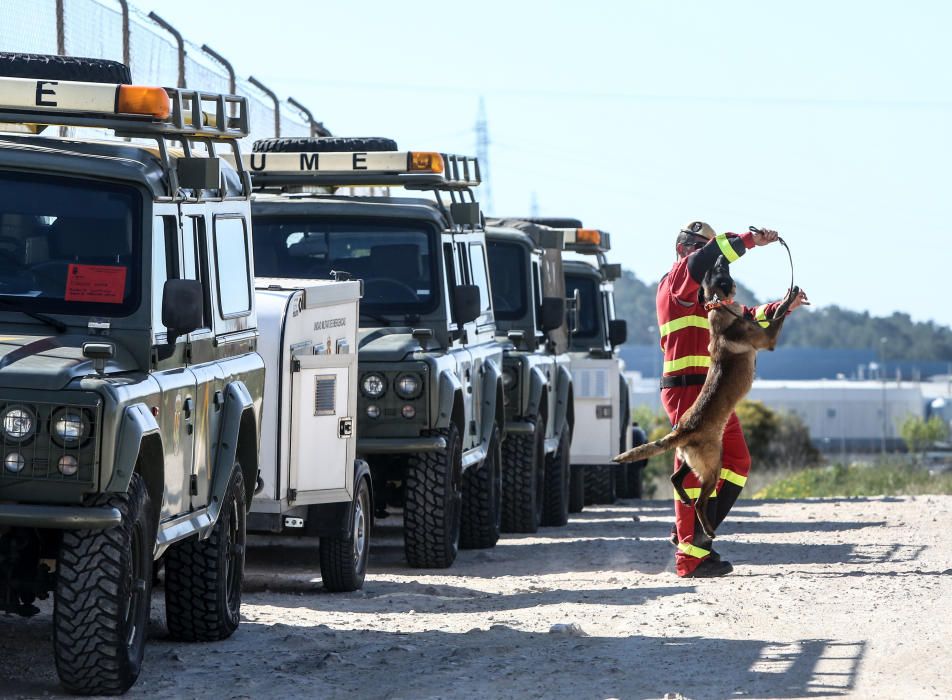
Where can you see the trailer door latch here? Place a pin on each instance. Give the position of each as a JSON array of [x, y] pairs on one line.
[[345, 428]]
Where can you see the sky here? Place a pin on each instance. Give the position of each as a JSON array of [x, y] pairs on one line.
[[830, 122]]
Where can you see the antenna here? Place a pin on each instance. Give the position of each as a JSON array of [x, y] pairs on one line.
[[482, 153]]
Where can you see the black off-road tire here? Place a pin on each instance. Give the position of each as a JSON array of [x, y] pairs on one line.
[[43, 67], [482, 499], [599, 484], [102, 599], [344, 559], [203, 577], [323, 144], [577, 489], [635, 471], [432, 505], [523, 480], [558, 477]]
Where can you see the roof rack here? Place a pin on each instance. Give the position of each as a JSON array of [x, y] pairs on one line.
[[546, 237], [129, 110], [412, 170]]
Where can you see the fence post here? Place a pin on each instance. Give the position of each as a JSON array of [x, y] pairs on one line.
[[317, 128], [60, 28], [181, 45], [232, 81], [274, 98], [126, 58]]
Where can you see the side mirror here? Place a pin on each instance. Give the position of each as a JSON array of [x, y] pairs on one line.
[[551, 313], [573, 303], [617, 332], [182, 302], [466, 301]]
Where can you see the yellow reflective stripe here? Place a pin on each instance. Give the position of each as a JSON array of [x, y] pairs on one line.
[[694, 494], [688, 361], [733, 477], [685, 322], [726, 249], [693, 551], [761, 316]]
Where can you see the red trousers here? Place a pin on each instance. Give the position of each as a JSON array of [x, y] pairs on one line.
[[693, 544]]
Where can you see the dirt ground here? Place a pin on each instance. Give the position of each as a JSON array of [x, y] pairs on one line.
[[828, 598]]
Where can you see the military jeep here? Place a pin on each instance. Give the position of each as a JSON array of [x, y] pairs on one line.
[[528, 283], [430, 404], [130, 387]]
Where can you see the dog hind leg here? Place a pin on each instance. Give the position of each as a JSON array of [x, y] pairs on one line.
[[677, 480]]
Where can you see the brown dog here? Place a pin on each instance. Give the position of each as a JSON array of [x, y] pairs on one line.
[[735, 341]]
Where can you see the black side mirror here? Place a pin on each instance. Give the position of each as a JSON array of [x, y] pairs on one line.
[[617, 332], [182, 307], [466, 301], [551, 313]]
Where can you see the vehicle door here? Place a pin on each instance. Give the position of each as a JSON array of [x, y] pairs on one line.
[[545, 358], [455, 274], [480, 333], [175, 409]]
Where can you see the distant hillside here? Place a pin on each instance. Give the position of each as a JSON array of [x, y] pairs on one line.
[[826, 327]]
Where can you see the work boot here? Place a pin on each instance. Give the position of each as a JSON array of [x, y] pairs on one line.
[[710, 568], [713, 555]]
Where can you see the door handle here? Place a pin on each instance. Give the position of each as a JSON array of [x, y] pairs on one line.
[[187, 407], [218, 400]]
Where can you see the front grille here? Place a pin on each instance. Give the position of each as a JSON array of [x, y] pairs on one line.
[[38, 454]]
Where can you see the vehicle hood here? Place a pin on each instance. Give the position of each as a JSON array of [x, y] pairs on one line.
[[50, 362], [386, 344]]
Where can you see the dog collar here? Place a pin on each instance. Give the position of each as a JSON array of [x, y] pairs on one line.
[[717, 303]]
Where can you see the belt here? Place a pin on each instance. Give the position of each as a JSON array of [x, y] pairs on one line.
[[682, 380]]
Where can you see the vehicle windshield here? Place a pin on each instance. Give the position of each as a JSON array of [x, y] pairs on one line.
[[68, 245], [589, 315], [394, 261], [507, 270]]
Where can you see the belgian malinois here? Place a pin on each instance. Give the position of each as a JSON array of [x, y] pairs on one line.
[[735, 341]]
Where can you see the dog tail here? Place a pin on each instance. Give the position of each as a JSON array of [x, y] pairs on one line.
[[650, 449]]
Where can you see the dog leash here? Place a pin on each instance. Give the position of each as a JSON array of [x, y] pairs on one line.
[[717, 304]]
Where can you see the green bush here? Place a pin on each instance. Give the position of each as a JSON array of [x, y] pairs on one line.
[[885, 479], [919, 433]]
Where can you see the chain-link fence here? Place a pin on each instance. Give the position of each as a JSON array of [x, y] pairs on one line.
[[115, 30]]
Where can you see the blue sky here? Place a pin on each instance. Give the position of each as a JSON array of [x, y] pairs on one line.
[[829, 121]]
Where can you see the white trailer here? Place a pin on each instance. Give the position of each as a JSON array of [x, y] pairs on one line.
[[310, 480]]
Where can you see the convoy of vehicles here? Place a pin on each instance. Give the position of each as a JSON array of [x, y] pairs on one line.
[[196, 343]]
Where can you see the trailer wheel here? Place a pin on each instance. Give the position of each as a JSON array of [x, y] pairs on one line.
[[103, 595], [45, 67], [431, 509], [558, 482], [344, 559], [482, 499], [599, 483], [523, 480], [203, 577]]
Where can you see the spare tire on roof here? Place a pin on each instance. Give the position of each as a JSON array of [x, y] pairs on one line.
[[46, 67], [327, 144]]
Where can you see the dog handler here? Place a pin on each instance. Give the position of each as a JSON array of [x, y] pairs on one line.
[[685, 335]]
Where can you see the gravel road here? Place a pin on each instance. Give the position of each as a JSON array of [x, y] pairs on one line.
[[829, 598]]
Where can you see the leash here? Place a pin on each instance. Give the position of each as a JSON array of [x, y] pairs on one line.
[[725, 304]]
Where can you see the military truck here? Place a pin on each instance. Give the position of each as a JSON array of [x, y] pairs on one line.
[[430, 410], [528, 285], [130, 389], [311, 481]]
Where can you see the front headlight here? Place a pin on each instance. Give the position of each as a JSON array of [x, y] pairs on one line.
[[18, 423], [70, 427], [408, 386], [373, 385]]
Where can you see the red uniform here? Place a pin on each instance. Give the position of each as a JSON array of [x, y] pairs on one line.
[[685, 336]]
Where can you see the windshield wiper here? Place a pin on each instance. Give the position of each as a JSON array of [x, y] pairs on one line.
[[48, 320]]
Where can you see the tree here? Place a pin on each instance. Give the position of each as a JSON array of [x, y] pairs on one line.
[[918, 433], [760, 425]]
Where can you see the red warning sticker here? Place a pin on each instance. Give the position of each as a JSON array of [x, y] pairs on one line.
[[104, 284]]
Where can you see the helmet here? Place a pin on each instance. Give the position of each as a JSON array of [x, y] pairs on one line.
[[699, 228], [692, 236]]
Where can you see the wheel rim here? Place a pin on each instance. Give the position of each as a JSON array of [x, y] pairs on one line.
[[360, 532], [135, 587], [234, 553]]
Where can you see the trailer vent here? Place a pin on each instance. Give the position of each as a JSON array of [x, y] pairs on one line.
[[325, 388]]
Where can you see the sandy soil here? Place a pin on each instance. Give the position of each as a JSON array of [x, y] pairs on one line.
[[828, 598]]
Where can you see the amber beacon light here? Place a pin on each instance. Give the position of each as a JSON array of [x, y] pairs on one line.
[[151, 101], [588, 235], [426, 162]]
